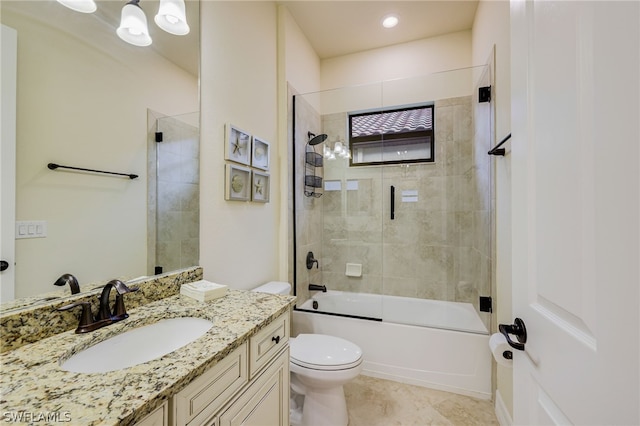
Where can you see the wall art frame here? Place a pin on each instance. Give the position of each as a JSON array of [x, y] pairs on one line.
[[237, 145], [260, 187], [260, 154], [238, 183]]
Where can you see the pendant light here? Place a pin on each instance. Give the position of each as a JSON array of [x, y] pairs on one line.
[[84, 6], [133, 25], [133, 28], [172, 17], [339, 151]]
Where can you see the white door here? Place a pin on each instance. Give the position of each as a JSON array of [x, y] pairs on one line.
[[8, 163], [575, 160]]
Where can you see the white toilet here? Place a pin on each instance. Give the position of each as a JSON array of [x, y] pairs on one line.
[[320, 365]]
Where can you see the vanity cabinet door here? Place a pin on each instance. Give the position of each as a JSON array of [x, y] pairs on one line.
[[268, 342], [201, 399], [266, 400]]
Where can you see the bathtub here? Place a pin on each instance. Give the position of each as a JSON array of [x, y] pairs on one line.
[[399, 310], [435, 344]]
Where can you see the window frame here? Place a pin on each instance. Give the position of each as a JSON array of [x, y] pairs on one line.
[[381, 138]]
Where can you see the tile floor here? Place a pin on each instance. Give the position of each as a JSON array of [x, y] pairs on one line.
[[377, 402]]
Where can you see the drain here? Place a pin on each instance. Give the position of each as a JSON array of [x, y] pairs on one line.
[[315, 304]]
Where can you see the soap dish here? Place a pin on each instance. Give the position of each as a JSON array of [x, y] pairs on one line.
[[204, 291], [354, 270]]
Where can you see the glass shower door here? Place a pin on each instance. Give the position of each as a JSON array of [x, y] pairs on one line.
[[437, 247], [176, 217], [391, 232]]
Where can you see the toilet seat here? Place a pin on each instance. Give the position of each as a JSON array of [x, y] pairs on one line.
[[322, 352]]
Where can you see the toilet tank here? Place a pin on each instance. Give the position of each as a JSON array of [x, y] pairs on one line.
[[274, 287]]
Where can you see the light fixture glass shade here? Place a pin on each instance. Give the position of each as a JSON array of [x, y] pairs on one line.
[[172, 17], [133, 25], [84, 6], [340, 150]]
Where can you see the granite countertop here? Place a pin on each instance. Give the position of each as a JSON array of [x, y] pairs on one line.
[[32, 384], [22, 323]]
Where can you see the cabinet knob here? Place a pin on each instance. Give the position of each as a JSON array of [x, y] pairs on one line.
[[276, 339]]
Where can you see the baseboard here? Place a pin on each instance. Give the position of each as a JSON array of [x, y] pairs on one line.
[[504, 418], [413, 377]]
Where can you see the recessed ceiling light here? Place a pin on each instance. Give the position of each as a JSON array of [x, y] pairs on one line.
[[390, 21]]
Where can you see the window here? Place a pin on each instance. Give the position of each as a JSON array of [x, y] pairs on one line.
[[392, 136]]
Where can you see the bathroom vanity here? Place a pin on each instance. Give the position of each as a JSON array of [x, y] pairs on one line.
[[257, 372], [237, 372]]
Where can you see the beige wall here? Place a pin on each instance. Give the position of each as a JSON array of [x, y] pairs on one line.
[[240, 241], [75, 107], [417, 58], [491, 29], [301, 62]]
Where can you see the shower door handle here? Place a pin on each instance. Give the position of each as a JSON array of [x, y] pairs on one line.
[[393, 202]]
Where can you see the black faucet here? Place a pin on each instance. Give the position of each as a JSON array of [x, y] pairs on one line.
[[316, 287], [87, 321], [105, 315], [119, 313], [71, 280]]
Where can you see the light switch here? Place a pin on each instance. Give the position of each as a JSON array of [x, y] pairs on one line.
[[31, 229]]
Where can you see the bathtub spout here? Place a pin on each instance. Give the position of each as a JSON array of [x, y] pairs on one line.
[[316, 287]]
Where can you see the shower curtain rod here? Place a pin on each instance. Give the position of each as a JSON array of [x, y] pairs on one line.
[[496, 150], [54, 166]]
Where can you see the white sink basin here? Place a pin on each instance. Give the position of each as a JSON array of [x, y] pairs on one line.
[[137, 346]]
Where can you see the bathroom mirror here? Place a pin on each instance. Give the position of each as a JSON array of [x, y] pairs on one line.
[[87, 99]]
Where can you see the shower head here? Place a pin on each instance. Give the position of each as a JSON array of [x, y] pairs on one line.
[[316, 139]]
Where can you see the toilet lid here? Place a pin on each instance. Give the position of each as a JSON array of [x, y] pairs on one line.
[[322, 352]]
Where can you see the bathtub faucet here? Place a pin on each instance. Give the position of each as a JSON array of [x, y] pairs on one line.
[[316, 287], [311, 260]]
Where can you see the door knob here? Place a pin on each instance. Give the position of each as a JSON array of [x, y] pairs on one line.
[[4, 265], [517, 329]]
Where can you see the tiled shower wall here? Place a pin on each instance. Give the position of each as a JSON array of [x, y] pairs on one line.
[[437, 247]]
